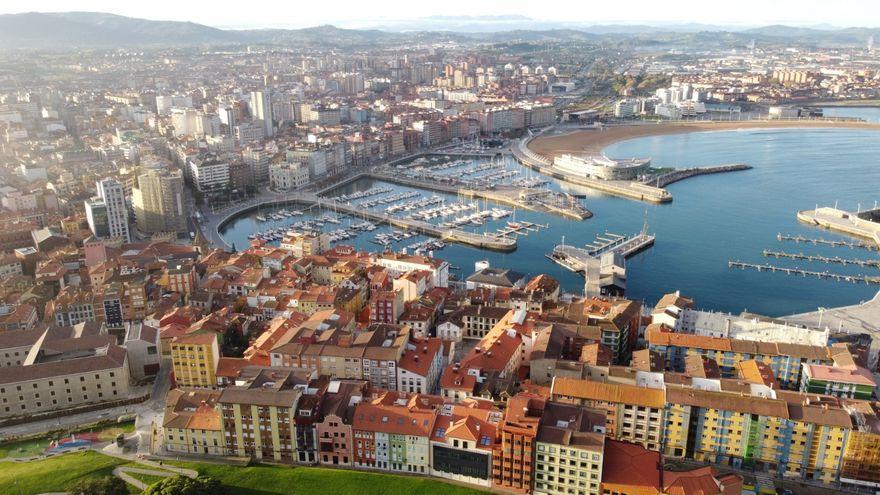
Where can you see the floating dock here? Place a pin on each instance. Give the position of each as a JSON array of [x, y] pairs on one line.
[[805, 273], [827, 242], [822, 259]]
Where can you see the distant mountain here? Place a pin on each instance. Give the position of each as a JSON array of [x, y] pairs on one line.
[[92, 29], [66, 30], [817, 35]]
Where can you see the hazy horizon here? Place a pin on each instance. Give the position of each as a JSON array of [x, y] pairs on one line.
[[262, 14]]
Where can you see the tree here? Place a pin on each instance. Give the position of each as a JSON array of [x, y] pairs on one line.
[[108, 485], [181, 485]]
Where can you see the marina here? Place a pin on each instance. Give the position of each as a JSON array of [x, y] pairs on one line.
[[805, 273], [693, 232]]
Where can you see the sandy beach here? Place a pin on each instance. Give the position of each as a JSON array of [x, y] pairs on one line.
[[594, 141]]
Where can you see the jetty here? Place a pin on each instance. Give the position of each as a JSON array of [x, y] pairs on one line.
[[664, 180], [827, 242], [805, 273], [822, 259]]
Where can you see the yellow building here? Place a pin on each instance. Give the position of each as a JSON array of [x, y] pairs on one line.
[[191, 424], [194, 359], [792, 434]]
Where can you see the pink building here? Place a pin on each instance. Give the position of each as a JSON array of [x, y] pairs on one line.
[[335, 439]]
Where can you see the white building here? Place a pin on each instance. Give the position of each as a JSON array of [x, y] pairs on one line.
[[626, 108], [601, 167], [209, 174], [399, 264], [261, 109], [288, 176], [248, 132], [420, 366], [107, 213]]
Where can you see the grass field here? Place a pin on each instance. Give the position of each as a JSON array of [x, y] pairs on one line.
[[148, 478], [281, 480], [60, 473], [54, 474]]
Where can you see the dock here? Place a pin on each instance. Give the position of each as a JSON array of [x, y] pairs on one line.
[[805, 273], [626, 246], [822, 259], [827, 242], [519, 228], [579, 259]]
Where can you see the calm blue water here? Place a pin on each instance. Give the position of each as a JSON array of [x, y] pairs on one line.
[[713, 219]]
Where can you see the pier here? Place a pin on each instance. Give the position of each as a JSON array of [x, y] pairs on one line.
[[827, 242], [822, 259], [862, 223], [664, 180], [805, 273], [519, 228], [626, 246], [579, 259]]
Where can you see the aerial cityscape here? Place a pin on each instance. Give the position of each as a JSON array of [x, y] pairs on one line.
[[450, 249]]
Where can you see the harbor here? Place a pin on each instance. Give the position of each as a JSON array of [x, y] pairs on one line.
[[691, 228]]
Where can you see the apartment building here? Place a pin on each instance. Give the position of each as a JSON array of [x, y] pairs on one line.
[[513, 452], [632, 414], [569, 450], [192, 424], [334, 429], [419, 368], [258, 413], [462, 442], [783, 358], [194, 359]]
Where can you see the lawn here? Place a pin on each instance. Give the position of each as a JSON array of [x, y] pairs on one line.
[[282, 480], [54, 474], [60, 473], [149, 479]]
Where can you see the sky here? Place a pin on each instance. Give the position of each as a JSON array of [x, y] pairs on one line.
[[361, 13]]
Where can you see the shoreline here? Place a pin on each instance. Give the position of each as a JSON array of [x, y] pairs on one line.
[[593, 142]]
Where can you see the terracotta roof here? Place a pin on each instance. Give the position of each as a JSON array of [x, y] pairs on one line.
[[727, 402], [629, 468], [418, 360], [608, 392]]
